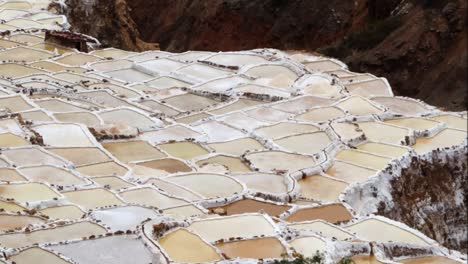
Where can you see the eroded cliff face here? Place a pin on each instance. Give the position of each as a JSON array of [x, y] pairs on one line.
[[107, 20], [419, 45], [430, 195]]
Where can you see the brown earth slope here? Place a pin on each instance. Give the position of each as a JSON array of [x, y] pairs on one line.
[[419, 45]]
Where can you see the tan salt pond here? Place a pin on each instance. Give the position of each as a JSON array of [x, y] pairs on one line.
[[263, 182], [358, 106], [453, 121], [31, 156], [285, 129], [85, 118], [349, 173], [112, 53], [242, 103], [310, 143], [71, 212], [208, 185], [260, 248], [55, 105], [323, 229], [77, 59], [168, 165], [401, 105], [10, 206], [190, 102], [184, 211], [133, 150], [236, 59], [184, 149], [11, 222], [37, 255], [27, 192], [446, 138], [36, 116], [363, 159], [240, 120], [113, 182], [127, 117], [232, 164], [92, 198], [236, 147], [24, 54], [52, 175], [192, 118], [9, 174], [204, 72], [129, 75], [67, 232], [125, 217], [12, 140], [277, 160], [333, 213], [159, 107], [383, 149], [150, 197], [81, 156], [413, 123], [321, 114], [308, 246], [247, 225], [429, 260], [367, 88], [381, 132], [218, 131], [183, 246], [175, 190], [15, 103], [323, 65], [103, 169], [267, 114], [321, 188], [379, 231], [55, 67], [167, 82], [254, 206], [63, 135]]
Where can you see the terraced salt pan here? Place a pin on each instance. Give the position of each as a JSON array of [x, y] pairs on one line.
[[236, 147], [10, 206], [445, 138], [232, 164], [332, 213], [186, 247], [112, 53], [321, 188], [167, 165], [369, 88], [27, 192], [12, 140], [358, 106], [103, 169], [159, 65], [319, 86], [133, 150], [166, 82], [92, 198], [37, 116], [349, 173], [77, 59], [285, 129], [203, 72], [260, 248], [240, 120], [31, 156], [429, 260], [381, 132], [264, 182], [363, 159], [231, 59], [301, 104], [10, 174], [112, 182], [267, 114], [190, 102], [374, 229], [220, 185], [175, 190], [124, 218], [55, 105], [401, 105], [66, 232], [64, 135], [11, 222], [217, 131], [453, 121], [305, 143], [159, 107], [71, 212], [413, 123], [308, 246], [129, 75], [37, 255], [324, 229], [184, 149], [254, 206], [322, 114], [85, 118], [128, 117], [52, 175], [383, 149], [239, 104], [82, 155], [108, 250], [278, 160], [248, 225], [323, 65], [24, 54], [15, 103], [150, 197]]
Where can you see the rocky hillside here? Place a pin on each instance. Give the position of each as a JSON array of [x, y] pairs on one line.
[[419, 45], [107, 20]]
